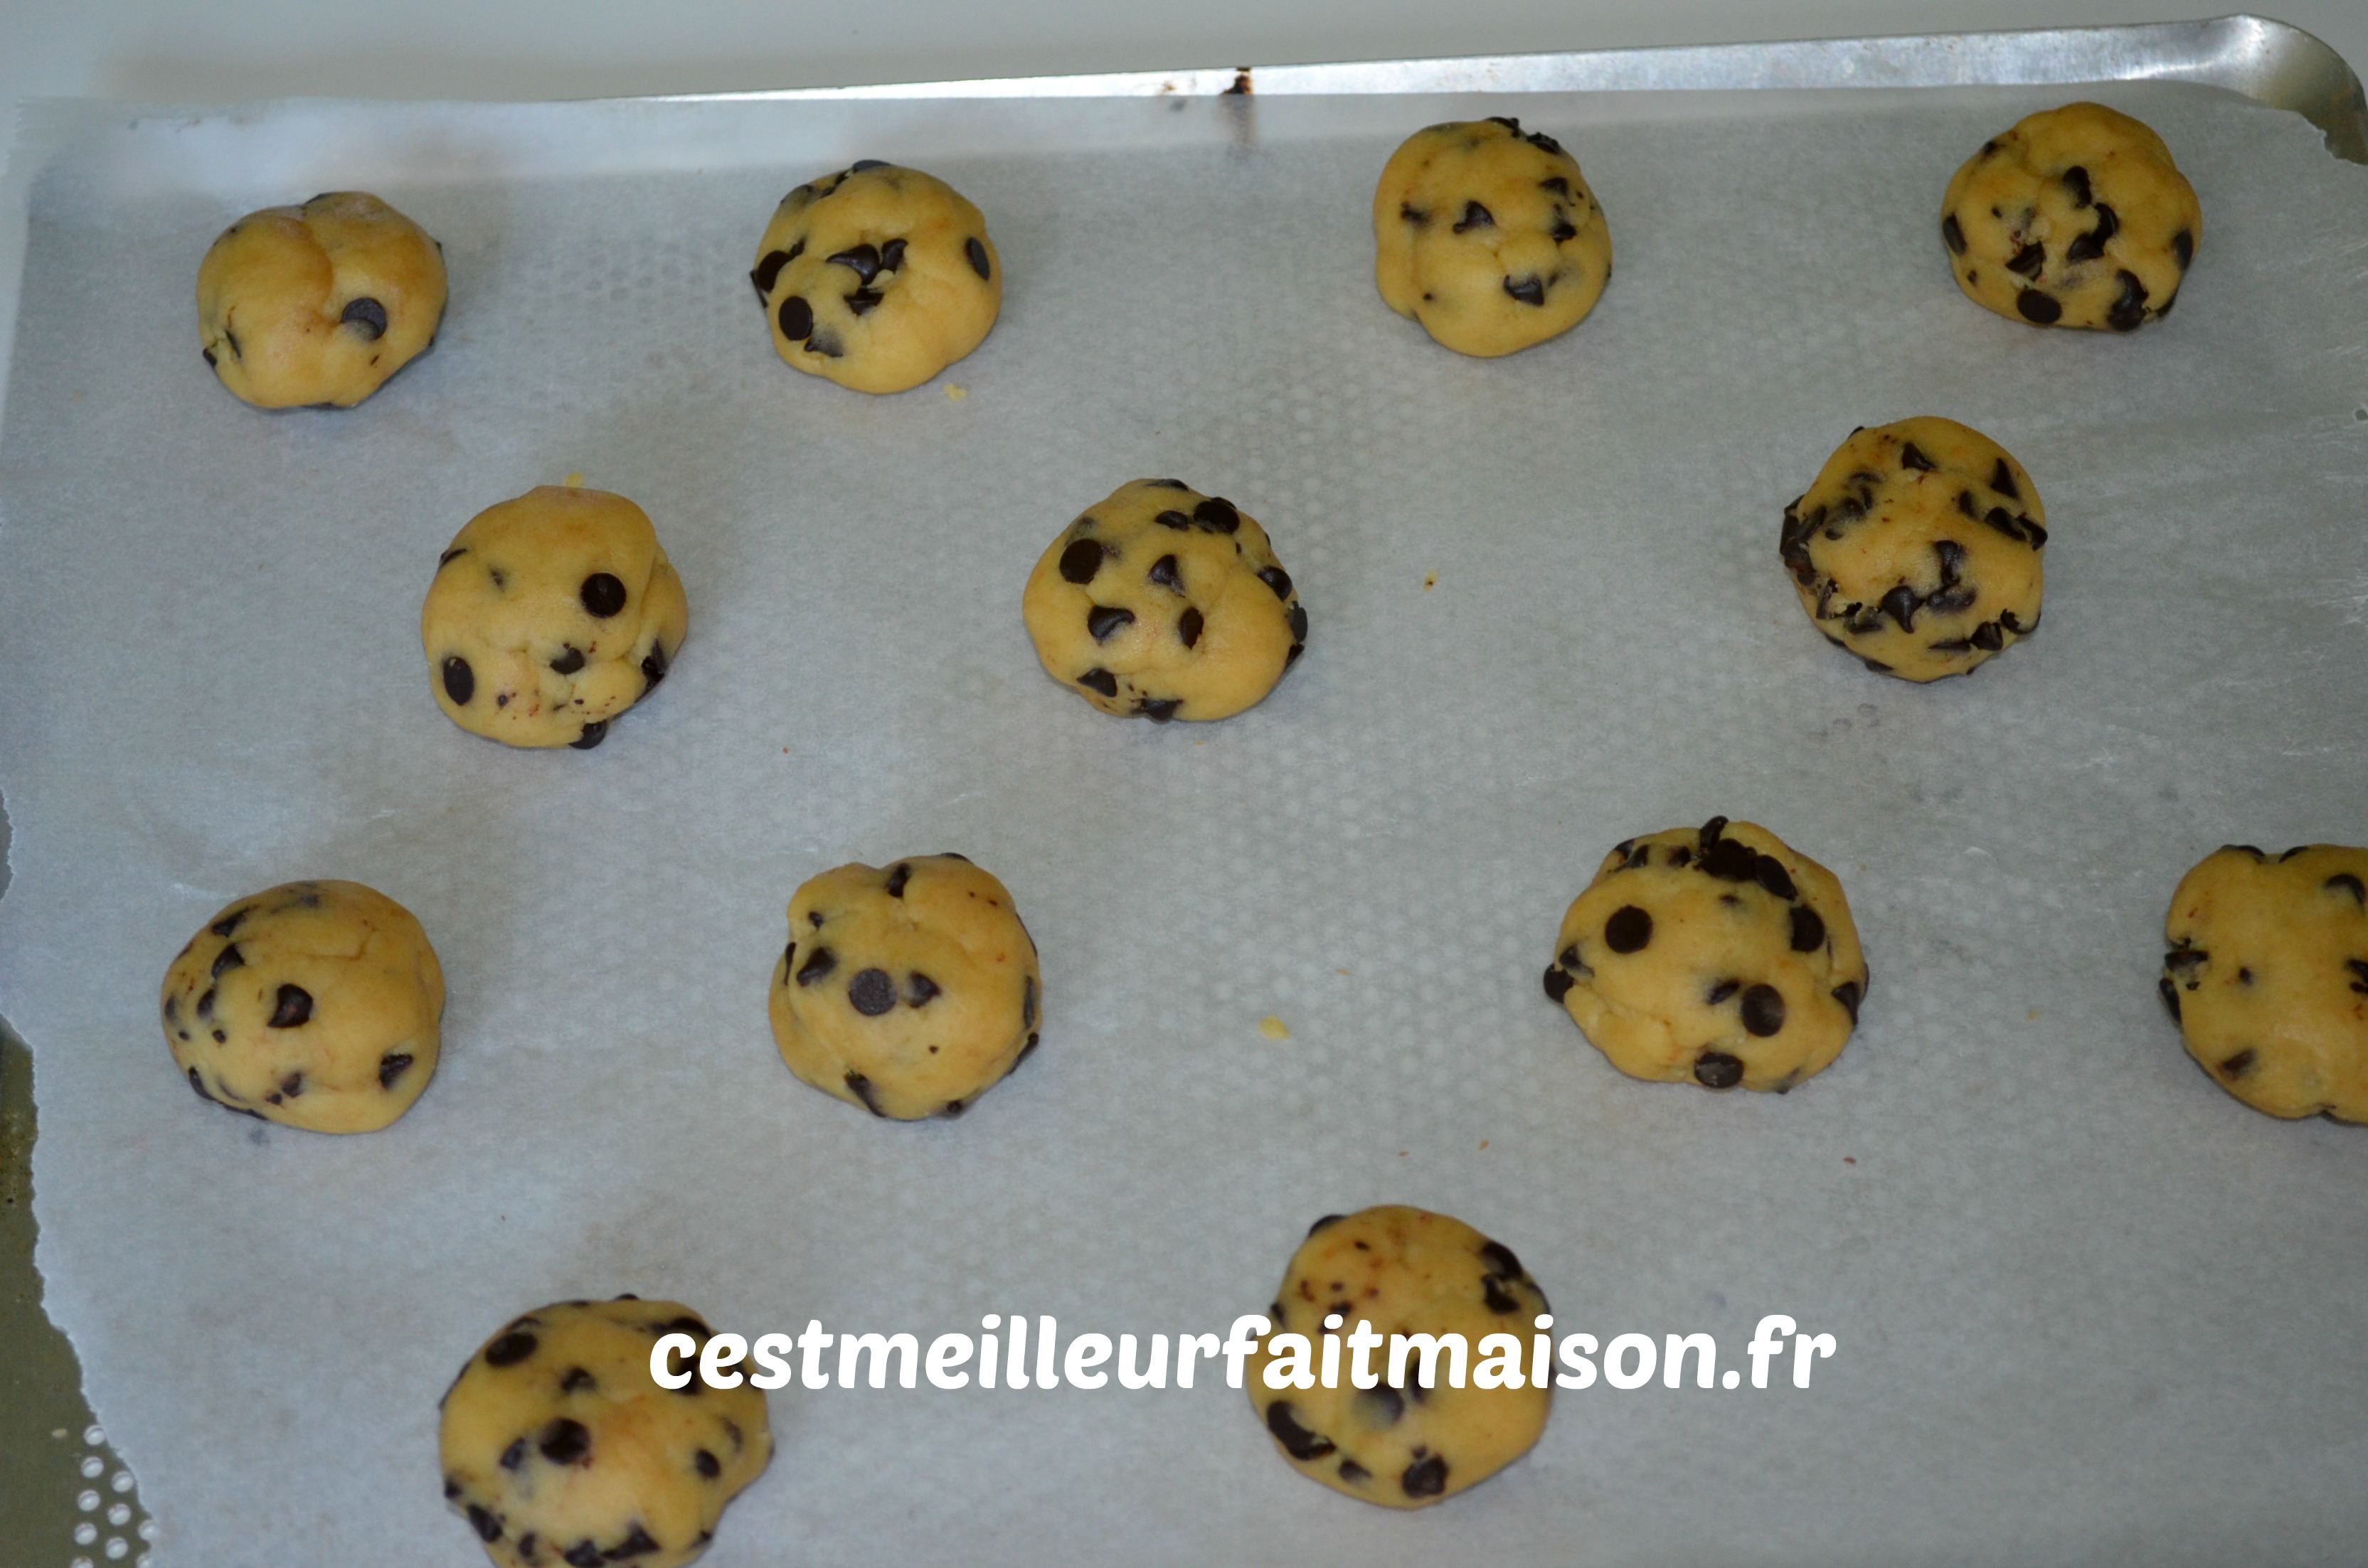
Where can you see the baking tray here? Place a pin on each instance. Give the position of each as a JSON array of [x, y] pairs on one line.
[[56, 1459]]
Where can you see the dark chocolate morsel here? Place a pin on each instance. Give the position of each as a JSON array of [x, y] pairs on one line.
[[198, 1084], [392, 1066], [977, 254], [1770, 872], [1081, 560], [862, 299], [861, 1085], [2042, 308], [1529, 290], [585, 1554], [1159, 709], [1325, 1222], [1173, 520], [1425, 1478], [2002, 481], [1354, 1474], [2252, 849], [230, 959], [707, 1464], [207, 355], [460, 681], [2170, 997], [592, 737], [1277, 579], [577, 1380], [565, 1441], [2344, 881], [1717, 1069], [768, 270], [825, 342], [1721, 992], [1900, 605], [1296, 1440], [2127, 312], [1381, 1406], [1910, 458], [865, 165], [1808, 930], [1100, 679], [2091, 246], [1985, 637], [871, 993], [1476, 217], [1731, 860], [488, 1528], [637, 1543], [2029, 261], [1493, 1296], [228, 923], [796, 318], [510, 1349], [1216, 515], [206, 1003], [2239, 1064], [1763, 1010], [1628, 930], [367, 316], [1296, 619], [2182, 245], [818, 965], [1187, 627], [602, 595], [1849, 994], [863, 260], [514, 1455], [1501, 1260], [571, 659], [1952, 235], [653, 667], [892, 256], [898, 875], [2076, 180], [1558, 983], [292, 1008], [1164, 573], [1103, 622], [1028, 1004]]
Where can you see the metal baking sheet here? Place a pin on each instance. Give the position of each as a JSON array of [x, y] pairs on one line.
[[2263, 61]]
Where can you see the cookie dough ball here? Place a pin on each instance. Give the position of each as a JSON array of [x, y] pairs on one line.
[[320, 303], [909, 991], [1164, 602], [551, 615], [559, 1448], [877, 277], [2077, 217], [1404, 1271], [1488, 236], [2267, 976], [1723, 956], [312, 1003], [1917, 549]]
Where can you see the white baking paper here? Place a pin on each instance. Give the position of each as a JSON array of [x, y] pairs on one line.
[[2087, 1307]]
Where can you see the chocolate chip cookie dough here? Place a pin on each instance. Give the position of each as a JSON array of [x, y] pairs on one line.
[[908, 990], [2075, 217], [1488, 236], [1917, 549], [319, 303], [314, 1005], [550, 616], [1404, 1271], [877, 277], [1720, 955], [560, 1449], [2267, 976], [1163, 602]]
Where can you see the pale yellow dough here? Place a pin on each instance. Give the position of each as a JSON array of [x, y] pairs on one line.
[[318, 304], [1917, 549], [1718, 954], [559, 1448], [2267, 976], [550, 616], [908, 989], [1405, 1271], [1488, 237], [316, 1004]]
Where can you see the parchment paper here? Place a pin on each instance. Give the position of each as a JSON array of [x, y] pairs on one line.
[[2089, 1308]]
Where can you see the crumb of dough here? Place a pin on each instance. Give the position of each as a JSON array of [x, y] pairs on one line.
[[1273, 1027]]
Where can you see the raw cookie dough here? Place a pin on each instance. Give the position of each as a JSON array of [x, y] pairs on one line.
[[551, 615], [1164, 602], [877, 277], [319, 303], [1488, 237], [1405, 1271], [1917, 549], [559, 1448], [2077, 217], [2267, 976], [312, 1003], [1723, 956], [908, 990]]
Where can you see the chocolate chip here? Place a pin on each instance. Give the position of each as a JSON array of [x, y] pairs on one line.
[[2127, 312], [1717, 1069], [1164, 572], [1499, 1258], [2042, 308], [2252, 849], [460, 681], [1476, 217], [919, 989], [1187, 627], [1159, 709], [637, 1542], [865, 165], [1081, 560], [229, 959], [860, 302], [1556, 184], [1326, 1222], [1216, 515], [1558, 983], [1424, 1477], [449, 556], [1173, 520], [1529, 288], [1413, 214], [2358, 969], [1277, 579], [1563, 231], [1763, 1010], [294, 1008], [1102, 622], [871, 991], [207, 355], [1910, 458], [1721, 992], [1849, 994], [1295, 618], [1028, 1004], [898, 875], [1296, 1440], [594, 734], [1951, 234], [488, 1528], [796, 318], [892, 256], [977, 254], [653, 667], [2237, 1065], [514, 1455], [2344, 881], [1808, 930], [1985, 637], [510, 1349], [863, 260], [2170, 997], [1901, 604], [1354, 1474], [2076, 180], [1100, 679], [1493, 1296], [1731, 860], [565, 1441], [367, 316], [569, 662], [2029, 261], [2091, 246], [1999, 518], [818, 965], [769, 269], [1770, 872], [198, 1084], [206, 1003], [2182, 245], [577, 1380], [2184, 958], [232, 339], [602, 595], [392, 1066], [583, 1553], [861, 1085], [707, 1464], [1628, 930], [1380, 1406]]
